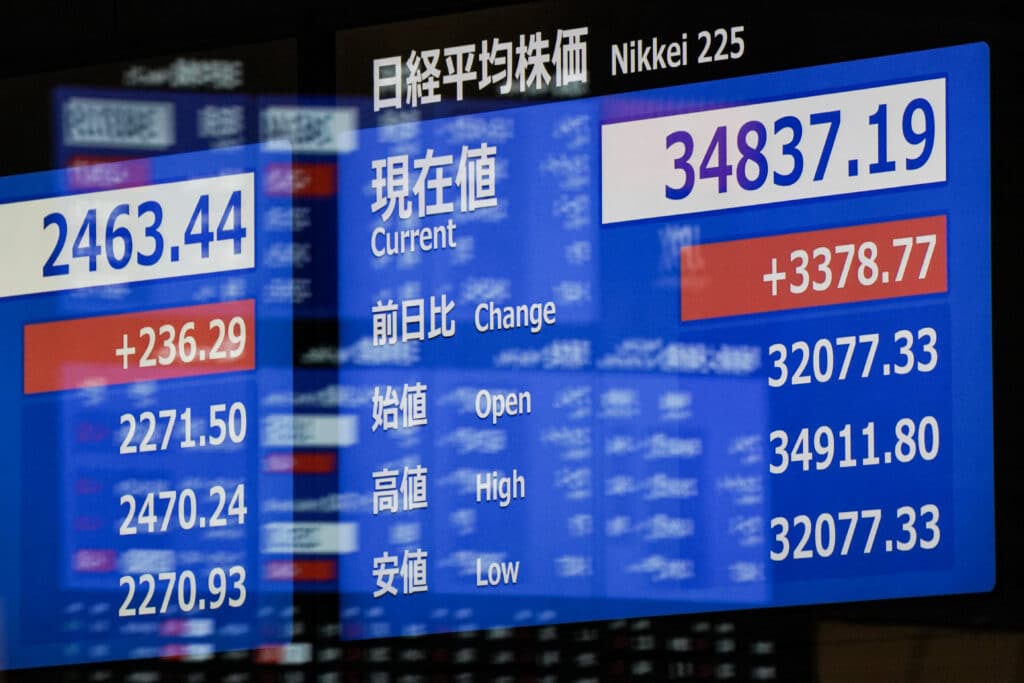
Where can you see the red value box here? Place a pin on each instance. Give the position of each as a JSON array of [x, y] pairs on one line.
[[301, 570], [301, 179], [817, 268], [132, 347], [320, 462]]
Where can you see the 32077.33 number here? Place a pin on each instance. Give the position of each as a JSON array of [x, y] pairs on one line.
[[828, 360], [804, 537]]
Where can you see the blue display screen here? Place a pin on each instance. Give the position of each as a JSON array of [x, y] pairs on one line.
[[714, 346], [140, 351]]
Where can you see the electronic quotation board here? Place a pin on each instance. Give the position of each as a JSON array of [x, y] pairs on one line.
[[139, 345], [715, 346]]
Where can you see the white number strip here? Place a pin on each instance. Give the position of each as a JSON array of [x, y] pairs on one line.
[[636, 166], [28, 246]]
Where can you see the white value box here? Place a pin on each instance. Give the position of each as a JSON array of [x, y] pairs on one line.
[[135, 234], [819, 146]]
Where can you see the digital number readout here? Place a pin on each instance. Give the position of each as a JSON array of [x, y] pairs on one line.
[[841, 265], [852, 356], [157, 511], [157, 431], [180, 592], [855, 531], [135, 234], [125, 223], [752, 169], [225, 341], [129, 347], [819, 146], [817, 271], [910, 439]]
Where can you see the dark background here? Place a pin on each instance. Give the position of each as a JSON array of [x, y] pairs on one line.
[[289, 48]]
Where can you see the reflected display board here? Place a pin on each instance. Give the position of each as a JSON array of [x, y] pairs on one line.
[[139, 345], [102, 125], [538, 319], [713, 346]]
